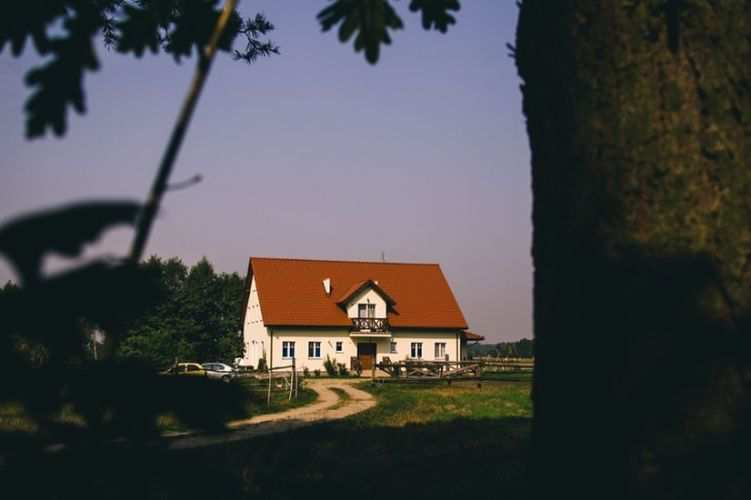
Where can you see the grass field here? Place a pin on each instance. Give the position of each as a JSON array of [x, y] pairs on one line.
[[256, 404], [424, 441], [431, 441], [14, 419]]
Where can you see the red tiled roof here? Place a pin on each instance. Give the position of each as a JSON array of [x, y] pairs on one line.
[[471, 336], [291, 292]]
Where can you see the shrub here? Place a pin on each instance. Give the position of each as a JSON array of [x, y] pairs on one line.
[[305, 372], [262, 365], [330, 366], [343, 370], [317, 372]]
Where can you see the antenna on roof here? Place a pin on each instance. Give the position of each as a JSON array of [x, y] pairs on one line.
[[383, 256]]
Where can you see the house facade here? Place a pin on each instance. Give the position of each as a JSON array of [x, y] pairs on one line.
[[344, 310]]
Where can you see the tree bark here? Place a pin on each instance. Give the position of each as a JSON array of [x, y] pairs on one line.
[[639, 121]]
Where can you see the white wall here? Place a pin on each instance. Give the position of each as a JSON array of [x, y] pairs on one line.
[[405, 338], [367, 296], [301, 336], [329, 336], [255, 334]]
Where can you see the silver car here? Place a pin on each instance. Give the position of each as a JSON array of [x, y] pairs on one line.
[[219, 371]]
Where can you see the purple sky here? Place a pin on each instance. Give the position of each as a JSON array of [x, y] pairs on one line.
[[313, 153]]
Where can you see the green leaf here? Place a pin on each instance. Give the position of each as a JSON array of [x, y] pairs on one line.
[[435, 13], [369, 19], [138, 31]]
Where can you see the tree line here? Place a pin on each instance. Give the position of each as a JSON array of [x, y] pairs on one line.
[[194, 314], [523, 348]]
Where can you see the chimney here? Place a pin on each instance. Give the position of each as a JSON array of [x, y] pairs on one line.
[[327, 286]]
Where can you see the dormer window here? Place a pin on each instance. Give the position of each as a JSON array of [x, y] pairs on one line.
[[366, 310]]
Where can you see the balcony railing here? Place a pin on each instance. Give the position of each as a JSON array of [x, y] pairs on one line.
[[370, 324]]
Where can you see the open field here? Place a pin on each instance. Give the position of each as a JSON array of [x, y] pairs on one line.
[[13, 419], [429, 441]]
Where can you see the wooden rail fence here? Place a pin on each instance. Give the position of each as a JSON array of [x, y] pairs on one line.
[[472, 369]]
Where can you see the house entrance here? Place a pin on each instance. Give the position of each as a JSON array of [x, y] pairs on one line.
[[366, 353]]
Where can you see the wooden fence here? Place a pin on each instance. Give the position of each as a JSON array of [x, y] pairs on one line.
[[473, 369], [284, 378]]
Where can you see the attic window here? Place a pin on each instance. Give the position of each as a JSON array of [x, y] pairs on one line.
[[327, 286], [366, 310]]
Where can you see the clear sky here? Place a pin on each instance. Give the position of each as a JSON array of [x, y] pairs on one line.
[[313, 153]]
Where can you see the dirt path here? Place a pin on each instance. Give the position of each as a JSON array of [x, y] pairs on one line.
[[326, 408]]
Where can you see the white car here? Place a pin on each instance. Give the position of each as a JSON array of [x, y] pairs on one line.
[[219, 371]]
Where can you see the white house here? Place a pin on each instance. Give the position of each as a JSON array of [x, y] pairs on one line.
[[311, 309]]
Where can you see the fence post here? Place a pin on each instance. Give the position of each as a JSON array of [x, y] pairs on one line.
[[268, 395], [292, 379], [297, 384]]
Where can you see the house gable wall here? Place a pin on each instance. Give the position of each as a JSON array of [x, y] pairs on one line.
[[255, 333], [367, 296]]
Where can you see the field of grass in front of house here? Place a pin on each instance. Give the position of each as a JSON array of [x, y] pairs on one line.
[[256, 404], [421, 441], [14, 419]]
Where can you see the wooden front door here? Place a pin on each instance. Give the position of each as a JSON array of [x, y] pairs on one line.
[[366, 353]]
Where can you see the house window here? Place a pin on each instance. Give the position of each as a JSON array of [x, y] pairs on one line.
[[314, 350], [440, 350], [392, 349], [339, 347], [416, 350], [366, 310], [288, 350]]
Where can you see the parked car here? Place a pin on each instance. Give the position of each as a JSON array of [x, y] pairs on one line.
[[219, 371], [186, 369]]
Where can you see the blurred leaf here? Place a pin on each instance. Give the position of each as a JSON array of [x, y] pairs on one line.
[[192, 28], [131, 26], [370, 19], [435, 13], [65, 230], [138, 30], [21, 20], [59, 83]]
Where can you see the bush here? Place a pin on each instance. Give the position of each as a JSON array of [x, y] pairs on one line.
[[262, 365], [317, 372], [343, 370], [305, 372], [330, 366]]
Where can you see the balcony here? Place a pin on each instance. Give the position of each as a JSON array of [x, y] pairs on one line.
[[378, 325]]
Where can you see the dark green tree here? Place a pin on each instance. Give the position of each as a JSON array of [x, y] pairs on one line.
[[197, 317]]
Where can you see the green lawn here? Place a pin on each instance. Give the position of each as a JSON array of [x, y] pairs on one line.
[[429, 441], [14, 419], [421, 441], [255, 404]]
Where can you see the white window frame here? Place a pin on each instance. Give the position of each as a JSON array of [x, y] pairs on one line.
[[415, 350], [440, 350], [339, 346], [366, 310], [288, 349], [392, 347], [313, 346]]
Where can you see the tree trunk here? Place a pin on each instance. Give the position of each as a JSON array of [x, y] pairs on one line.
[[639, 120]]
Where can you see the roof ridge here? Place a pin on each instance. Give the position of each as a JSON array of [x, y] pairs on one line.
[[349, 261]]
